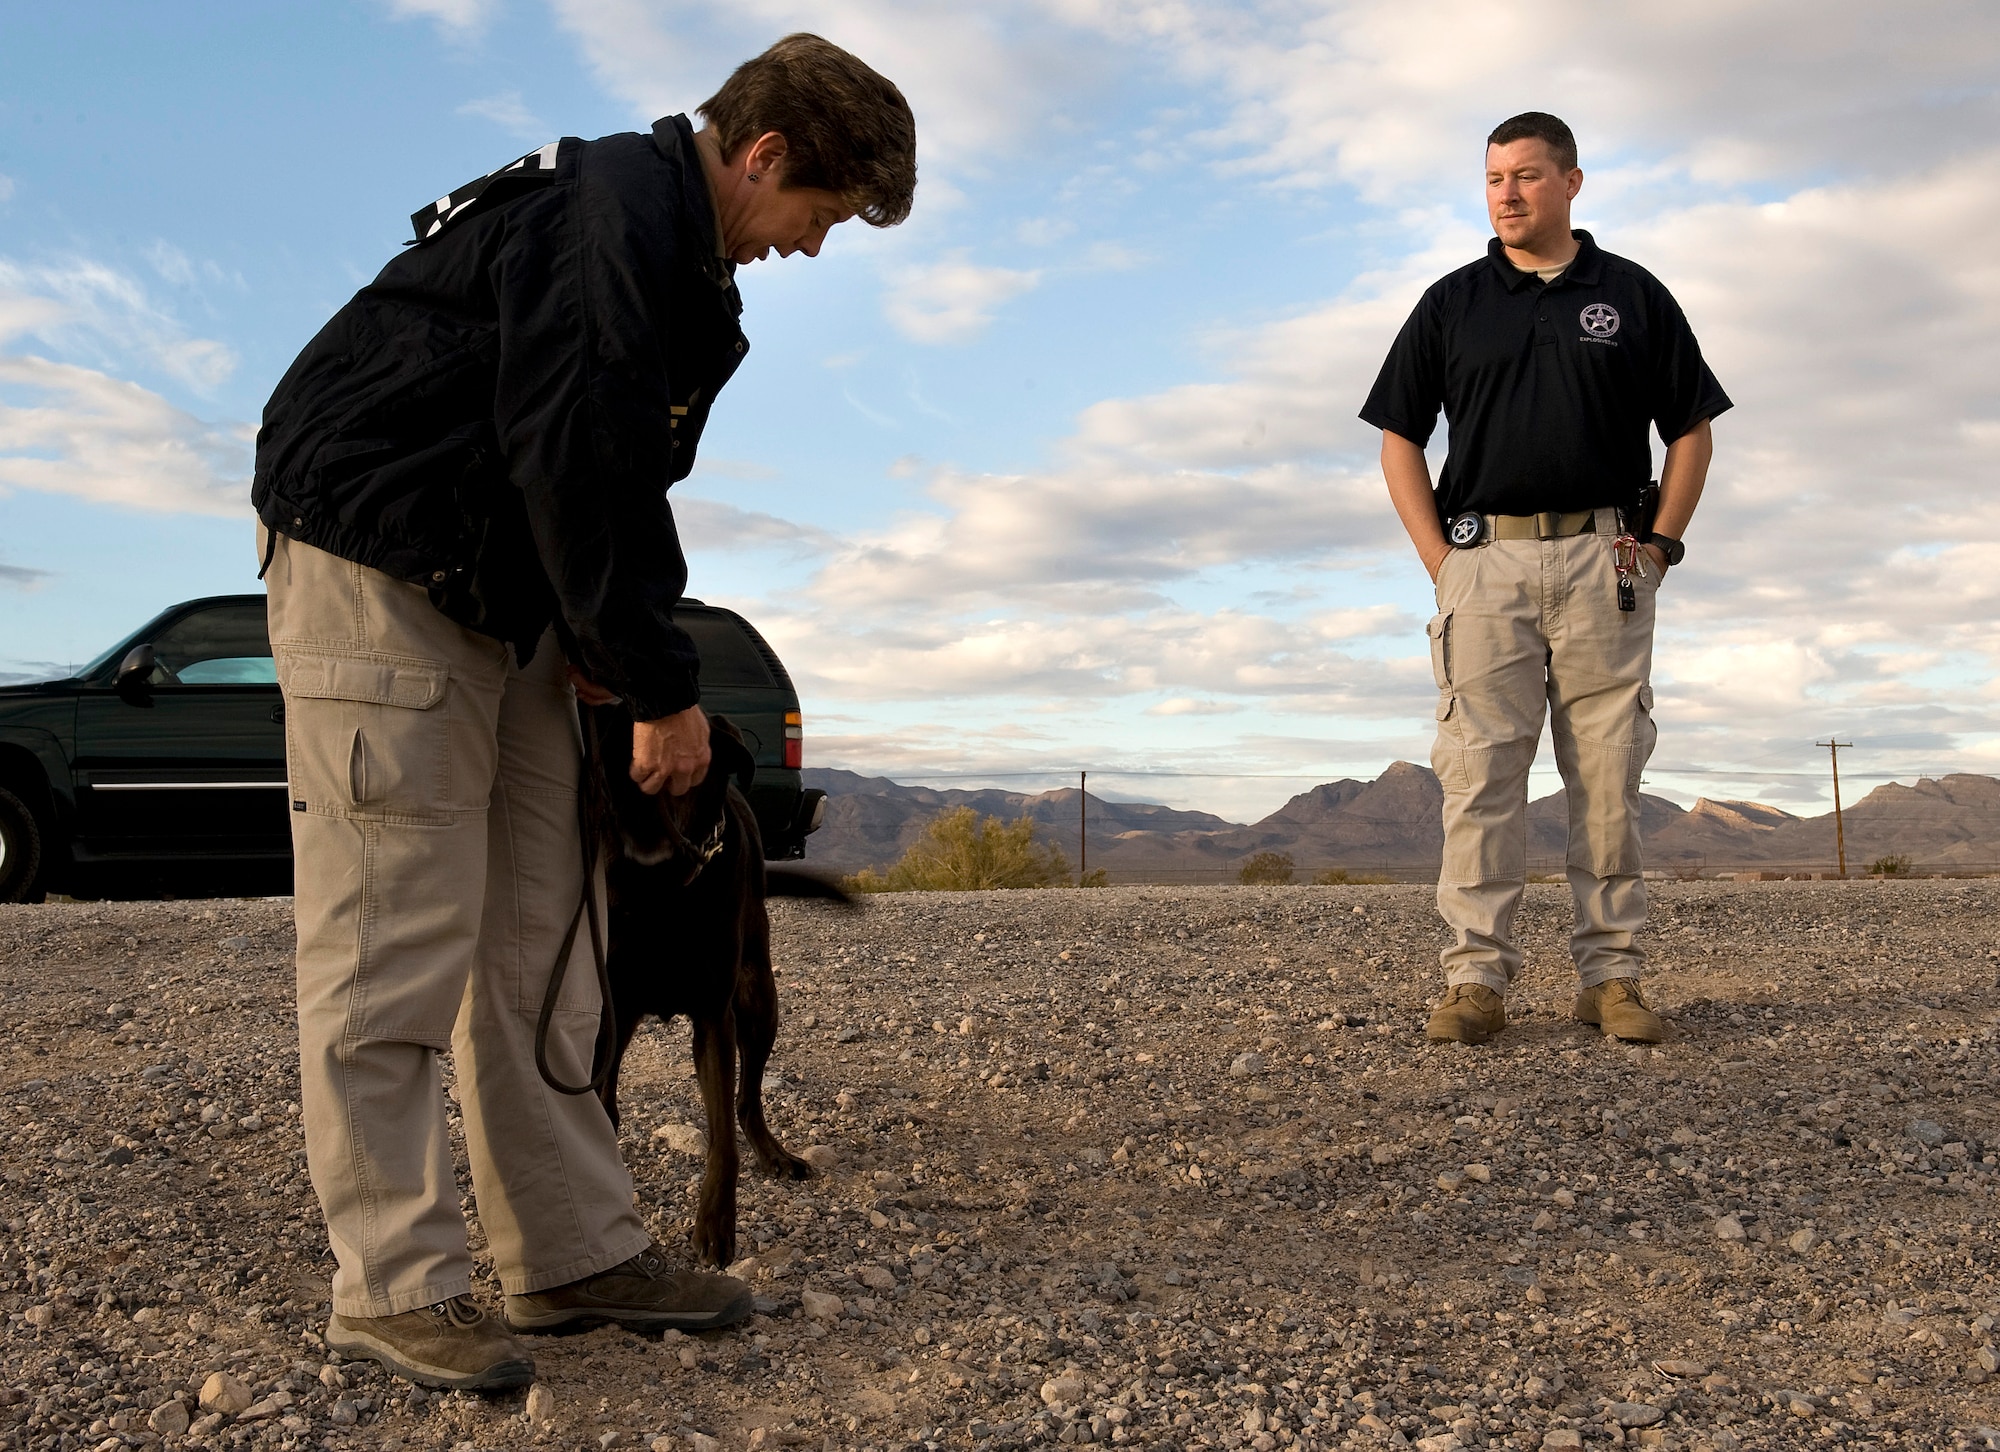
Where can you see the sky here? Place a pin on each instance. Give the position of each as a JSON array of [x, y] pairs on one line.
[[1064, 473]]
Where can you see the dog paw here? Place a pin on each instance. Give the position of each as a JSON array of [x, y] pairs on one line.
[[784, 1166], [715, 1247]]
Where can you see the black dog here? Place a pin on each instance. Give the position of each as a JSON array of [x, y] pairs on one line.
[[689, 934]]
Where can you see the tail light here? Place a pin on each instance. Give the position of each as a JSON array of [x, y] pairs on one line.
[[795, 740]]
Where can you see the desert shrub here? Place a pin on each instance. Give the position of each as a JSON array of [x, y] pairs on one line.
[[962, 852], [1341, 877], [1099, 878], [1896, 864], [1271, 869]]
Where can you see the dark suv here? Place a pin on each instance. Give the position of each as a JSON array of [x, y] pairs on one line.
[[164, 758]]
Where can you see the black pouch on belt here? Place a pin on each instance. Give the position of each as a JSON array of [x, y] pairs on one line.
[[1646, 510]]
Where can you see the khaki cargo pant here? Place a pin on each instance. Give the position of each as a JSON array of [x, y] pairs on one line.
[[1520, 624], [433, 787]]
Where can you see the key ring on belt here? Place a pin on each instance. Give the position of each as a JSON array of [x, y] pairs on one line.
[[1625, 558]]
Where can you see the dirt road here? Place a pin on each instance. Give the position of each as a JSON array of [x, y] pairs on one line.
[[1159, 1167]]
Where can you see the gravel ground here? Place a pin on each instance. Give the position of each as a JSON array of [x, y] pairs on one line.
[[1162, 1167]]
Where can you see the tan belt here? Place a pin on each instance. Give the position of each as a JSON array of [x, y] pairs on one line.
[[1546, 525]]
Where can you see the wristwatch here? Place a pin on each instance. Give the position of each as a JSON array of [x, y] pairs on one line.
[[1667, 545]]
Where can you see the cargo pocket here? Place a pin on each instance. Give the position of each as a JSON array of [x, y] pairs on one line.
[[1439, 631], [1644, 734], [364, 735]]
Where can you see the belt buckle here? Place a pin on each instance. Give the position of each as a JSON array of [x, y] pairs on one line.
[[1548, 524]]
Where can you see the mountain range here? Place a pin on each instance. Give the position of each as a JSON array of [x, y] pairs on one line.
[[1391, 826]]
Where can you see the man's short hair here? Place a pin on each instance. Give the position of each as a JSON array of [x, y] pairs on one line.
[[847, 129], [1538, 126]]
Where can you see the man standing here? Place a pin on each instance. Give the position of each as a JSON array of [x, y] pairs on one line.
[[461, 487], [1550, 360]]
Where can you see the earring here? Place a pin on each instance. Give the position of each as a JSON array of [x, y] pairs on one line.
[[753, 176]]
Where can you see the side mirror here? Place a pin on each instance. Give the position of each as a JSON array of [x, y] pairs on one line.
[[136, 671]]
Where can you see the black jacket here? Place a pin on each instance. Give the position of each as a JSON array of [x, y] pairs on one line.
[[498, 416]]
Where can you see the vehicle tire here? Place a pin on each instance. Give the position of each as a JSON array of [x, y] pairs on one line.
[[20, 851]]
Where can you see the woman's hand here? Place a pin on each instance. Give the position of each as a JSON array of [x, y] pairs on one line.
[[671, 752]]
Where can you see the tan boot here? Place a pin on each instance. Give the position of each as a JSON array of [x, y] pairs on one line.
[[643, 1293], [452, 1344], [1618, 1007], [1469, 1013]]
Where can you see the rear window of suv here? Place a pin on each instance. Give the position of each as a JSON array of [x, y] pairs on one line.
[[728, 658]]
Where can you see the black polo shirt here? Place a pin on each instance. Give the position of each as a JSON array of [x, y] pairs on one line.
[[1547, 388]]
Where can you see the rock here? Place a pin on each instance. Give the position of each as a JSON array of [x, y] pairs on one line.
[[1562, 1439], [821, 1305], [224, 1393], [170, 1419], [1987, 1359], [258, 1411], [1544, 1221], [686, 1139], [1244, 1065], [1450, 1180], [1442, 1442], [43, 1316], [1729, 1228], [1480, 1173], [202, 1426], [821, 1157], [878, 1278], [1063, 1391], [1680, 1368], [1253, 1421], [702, 1442], [1635, 1414], [541, 1405], [1927, 1132], [1803, 1240], [1382, 1154], [146, 1316], [344, 1412]]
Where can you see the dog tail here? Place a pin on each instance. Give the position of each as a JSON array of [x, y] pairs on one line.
[[791, 882]]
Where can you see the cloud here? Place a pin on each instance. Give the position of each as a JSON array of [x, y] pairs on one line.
[[103, 316], [69, 428], [76, 431], [507, 111], [20, 577], [6, 189], [979, 77], [952, 300], [454, 17], [1393, 97], [709, 525]]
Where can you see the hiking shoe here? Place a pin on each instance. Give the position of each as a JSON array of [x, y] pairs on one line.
[[642, 1293], [451, 1345], [1620, 1009], [1469, 1013]]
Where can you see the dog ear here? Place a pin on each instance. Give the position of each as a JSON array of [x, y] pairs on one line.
[[728, 753]]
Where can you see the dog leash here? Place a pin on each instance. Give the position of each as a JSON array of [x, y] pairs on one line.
[[601, 1058]]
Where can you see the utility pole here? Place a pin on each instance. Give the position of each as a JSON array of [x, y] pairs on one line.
[[1839, 831], [1083, 823]]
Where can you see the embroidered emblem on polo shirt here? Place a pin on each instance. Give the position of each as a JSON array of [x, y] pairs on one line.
[[1600, 320]]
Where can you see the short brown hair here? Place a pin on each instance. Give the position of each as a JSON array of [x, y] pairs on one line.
[[847, 129], [1538, 126]]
